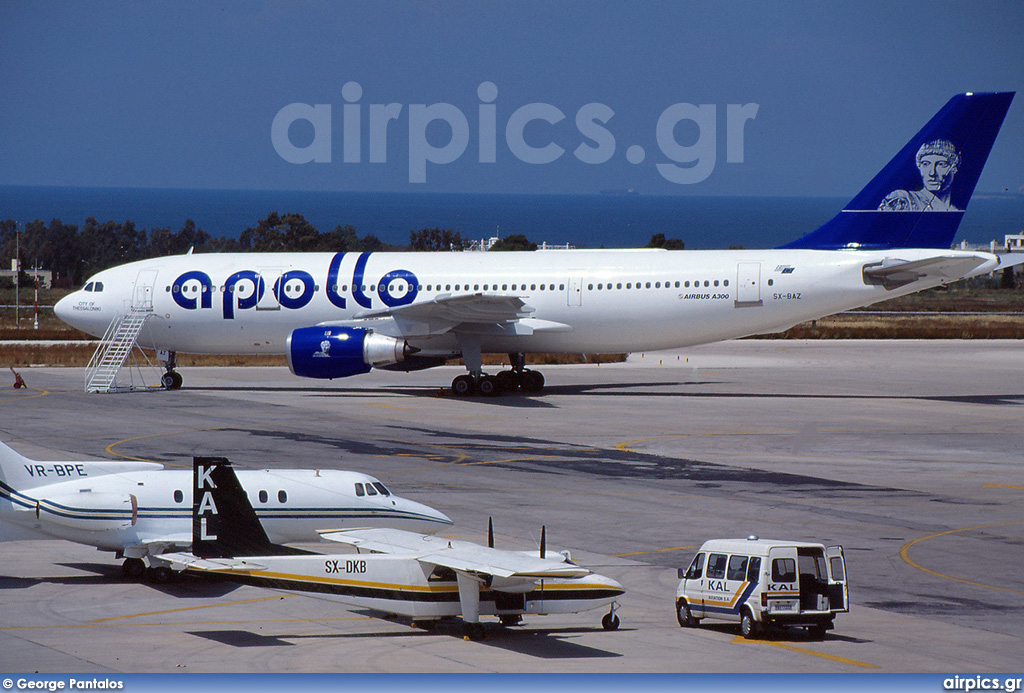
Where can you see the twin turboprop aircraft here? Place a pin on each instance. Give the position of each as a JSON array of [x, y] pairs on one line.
[[139, 509], [424, 577], [340, 314]]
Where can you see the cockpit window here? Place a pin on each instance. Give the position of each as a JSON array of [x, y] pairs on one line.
[[380, 487], [98, 287], [89, 286], [359, 490], [370, 490]]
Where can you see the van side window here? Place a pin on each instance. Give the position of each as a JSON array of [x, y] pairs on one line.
[[737, 568], [716, 565], [754, 569], [696, 567], [837, 568], [783, 570]]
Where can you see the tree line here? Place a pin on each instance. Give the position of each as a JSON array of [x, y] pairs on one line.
[[73, 254]]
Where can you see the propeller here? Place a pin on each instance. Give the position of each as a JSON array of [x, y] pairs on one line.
[[490, 533], [543, 541]]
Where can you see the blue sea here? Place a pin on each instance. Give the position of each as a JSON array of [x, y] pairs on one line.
[[584, 221]]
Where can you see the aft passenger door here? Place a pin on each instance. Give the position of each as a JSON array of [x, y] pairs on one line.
[[748, 284], [838, 588]]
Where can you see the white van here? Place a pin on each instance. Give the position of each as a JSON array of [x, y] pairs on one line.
[[762, 582]]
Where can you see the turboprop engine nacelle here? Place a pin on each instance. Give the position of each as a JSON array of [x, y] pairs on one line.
[[337, 352]]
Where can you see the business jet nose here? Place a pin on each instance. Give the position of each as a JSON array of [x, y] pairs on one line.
[[422, 518]]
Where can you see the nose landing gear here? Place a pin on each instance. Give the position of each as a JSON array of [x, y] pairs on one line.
[[171, 379]]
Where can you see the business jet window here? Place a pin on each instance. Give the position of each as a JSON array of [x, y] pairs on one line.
[[178, 496], [263, 496], [360, 491], [282, 497], [380, 487]]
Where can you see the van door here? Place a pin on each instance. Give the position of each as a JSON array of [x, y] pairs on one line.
[[838, 588], [693, 587], [717, 596], [782, 593]]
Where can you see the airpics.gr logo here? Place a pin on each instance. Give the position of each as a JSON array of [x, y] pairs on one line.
[[687, 163]]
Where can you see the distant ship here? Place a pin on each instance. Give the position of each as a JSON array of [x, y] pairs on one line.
[[619, 191]]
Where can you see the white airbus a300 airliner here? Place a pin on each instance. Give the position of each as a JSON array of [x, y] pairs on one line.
[[341, 314], [139, 510]]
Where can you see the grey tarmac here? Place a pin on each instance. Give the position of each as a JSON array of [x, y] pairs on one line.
[[908, 453]]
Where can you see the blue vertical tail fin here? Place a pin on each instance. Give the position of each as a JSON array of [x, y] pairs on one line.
[[919, 198]]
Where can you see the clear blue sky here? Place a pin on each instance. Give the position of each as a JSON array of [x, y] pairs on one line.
[[184, 95]]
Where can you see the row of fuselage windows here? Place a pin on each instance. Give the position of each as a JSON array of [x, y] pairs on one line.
[[282, 497], [196, 288], [368, 489], [658, 285]]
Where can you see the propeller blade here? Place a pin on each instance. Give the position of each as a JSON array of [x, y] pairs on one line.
[[490, 533], [543, 541]]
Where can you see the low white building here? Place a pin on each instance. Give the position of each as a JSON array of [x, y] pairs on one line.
[[45, 277]]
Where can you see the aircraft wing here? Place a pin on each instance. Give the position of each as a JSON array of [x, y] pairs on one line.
[[462, 556], [470, 313], [893, 274], [186, 561]]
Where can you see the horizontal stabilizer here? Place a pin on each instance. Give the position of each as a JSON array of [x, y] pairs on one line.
[[893, 274]]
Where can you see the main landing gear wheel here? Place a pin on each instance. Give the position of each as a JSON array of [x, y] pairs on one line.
[[160, 575], [133, 568], [610, 622], [474, 631], [463, 386], [510, 619], [489, 386], [531, 381]]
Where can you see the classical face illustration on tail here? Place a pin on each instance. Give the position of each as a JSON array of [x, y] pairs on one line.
[[937, 161]]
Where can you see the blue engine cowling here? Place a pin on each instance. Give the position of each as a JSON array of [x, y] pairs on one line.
[[338, 352]]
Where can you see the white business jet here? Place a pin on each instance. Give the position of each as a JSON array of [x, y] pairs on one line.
[[340, 314], [424, 577], [139, 509]]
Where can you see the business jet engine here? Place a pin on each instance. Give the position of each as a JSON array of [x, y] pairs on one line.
[[337, 352]]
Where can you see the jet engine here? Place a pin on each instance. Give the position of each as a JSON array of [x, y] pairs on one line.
[[337, 352], [89, 510]]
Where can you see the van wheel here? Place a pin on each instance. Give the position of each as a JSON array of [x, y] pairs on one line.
[[683, 615], [817, 631], [749, 628]]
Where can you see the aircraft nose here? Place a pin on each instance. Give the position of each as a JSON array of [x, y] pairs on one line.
[[63, 307], [425, 518]]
